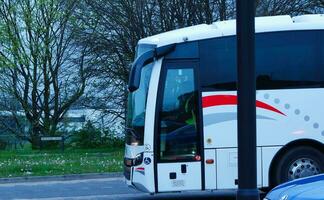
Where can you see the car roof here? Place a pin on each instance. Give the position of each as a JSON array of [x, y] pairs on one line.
[[301, 181], [300, 189], [228, 28]]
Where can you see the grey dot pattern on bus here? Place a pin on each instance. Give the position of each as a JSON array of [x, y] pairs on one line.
[[296, 111]]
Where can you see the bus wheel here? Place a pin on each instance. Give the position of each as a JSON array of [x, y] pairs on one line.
[[297, 163]]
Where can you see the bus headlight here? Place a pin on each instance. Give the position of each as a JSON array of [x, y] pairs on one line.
[[130, 162], [134, 144], [138, 159]]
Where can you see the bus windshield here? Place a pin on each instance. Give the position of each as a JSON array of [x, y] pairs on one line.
[[137, 103], [136, 109]]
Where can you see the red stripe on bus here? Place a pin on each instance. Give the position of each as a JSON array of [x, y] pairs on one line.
[[222, 100], [140, 169]]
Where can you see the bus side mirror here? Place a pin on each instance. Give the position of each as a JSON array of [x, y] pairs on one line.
[[135, 73], [144, 59]]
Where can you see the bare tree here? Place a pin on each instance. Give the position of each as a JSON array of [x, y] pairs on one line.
[[41, 66], [286, 7], [320, 6], [112, 29]]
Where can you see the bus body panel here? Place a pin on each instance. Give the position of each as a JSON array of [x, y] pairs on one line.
[[288, 112], [224, 142], [191, 180], [268, 153], [227, 168], [300, 118], [228, 28], [210, 169], [282, 116]]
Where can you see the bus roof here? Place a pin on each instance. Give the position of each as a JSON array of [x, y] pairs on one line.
[[228, 28]]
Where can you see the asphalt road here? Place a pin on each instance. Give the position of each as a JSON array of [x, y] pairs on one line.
[[90, 189]]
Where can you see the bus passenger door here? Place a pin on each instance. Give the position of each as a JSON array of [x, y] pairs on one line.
[[178, 138]]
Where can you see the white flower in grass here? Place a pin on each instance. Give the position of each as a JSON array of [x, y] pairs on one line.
[[29, 173]]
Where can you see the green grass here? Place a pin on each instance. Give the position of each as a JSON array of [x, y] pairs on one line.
[[40, 163]]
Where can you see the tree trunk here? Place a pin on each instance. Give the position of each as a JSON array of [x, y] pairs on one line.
[[35, 138]]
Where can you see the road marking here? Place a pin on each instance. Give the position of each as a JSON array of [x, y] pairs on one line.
[[49, 182], [119, 196]]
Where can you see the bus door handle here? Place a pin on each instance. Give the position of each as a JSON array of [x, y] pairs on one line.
[[184, 168]]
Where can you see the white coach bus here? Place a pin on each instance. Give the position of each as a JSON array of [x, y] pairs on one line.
[[182, 120]]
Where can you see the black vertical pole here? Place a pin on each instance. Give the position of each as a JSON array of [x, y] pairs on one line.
[[246, 137]]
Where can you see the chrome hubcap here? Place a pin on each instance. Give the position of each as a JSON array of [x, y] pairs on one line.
[[302, 168]]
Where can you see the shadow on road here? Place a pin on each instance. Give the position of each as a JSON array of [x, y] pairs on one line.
[[188, 196], [216, 195]]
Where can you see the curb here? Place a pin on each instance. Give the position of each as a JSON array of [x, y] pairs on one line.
[[61, 177]]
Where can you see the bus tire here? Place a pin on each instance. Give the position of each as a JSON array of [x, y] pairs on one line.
[[296, 163]]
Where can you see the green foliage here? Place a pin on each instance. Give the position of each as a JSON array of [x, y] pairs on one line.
[[44, 163], [3, 144], [91, 137], [51, 145], [111, 140]]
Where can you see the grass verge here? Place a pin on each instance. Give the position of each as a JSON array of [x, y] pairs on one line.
[[45, 163]]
